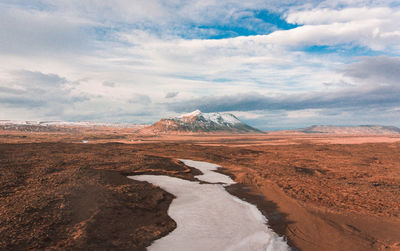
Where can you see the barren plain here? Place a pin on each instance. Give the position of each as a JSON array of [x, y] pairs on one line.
[[69, 190]]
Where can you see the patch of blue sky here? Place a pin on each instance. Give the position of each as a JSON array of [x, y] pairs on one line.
[[274, 19], [31, 5], [222, 80], [347, 50], [189, 77], [394, 4], [260, 22], [220, 32], [104, 32], [110, 33]]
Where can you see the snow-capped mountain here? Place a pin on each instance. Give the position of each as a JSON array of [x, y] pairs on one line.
[[201, 122]]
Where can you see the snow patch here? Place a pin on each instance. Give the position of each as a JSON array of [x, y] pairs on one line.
[[221, 118], [191, 114], [207, 170], [209, 218]]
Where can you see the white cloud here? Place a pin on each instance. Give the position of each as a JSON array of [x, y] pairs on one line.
[[376, 28], [329, 16]]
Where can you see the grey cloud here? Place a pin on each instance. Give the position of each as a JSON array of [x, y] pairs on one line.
[[24, 102], [34, 78], [171, 94], [381, 69], [8, 90], [80, 98], [140, 99], [340, 83], [108, 84], [45, 93], [349, 98]]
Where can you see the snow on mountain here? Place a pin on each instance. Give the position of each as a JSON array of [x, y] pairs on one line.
[[222, 118], [197, 121], [191, 114], [226, 119]]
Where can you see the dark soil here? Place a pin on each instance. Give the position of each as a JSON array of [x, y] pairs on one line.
[[75, 196]]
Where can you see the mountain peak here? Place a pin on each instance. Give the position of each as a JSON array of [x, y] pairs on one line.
[[198, 122], [191, 114]]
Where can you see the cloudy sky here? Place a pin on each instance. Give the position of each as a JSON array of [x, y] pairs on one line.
[[276, 64]]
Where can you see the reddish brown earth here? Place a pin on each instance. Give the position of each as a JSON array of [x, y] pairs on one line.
[[76, 196], [320, 194]]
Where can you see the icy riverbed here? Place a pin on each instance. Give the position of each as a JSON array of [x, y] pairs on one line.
[[209, 218]]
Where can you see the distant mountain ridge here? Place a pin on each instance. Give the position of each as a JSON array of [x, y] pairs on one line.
[[56, 126], [361, 129], [198, 122]]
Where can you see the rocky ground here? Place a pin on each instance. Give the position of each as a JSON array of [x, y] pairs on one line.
[[75, 196], [57, 195]]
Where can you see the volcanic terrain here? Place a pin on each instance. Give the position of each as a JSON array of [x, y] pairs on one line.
[[69, 190]]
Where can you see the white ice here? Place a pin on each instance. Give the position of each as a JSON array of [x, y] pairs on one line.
[[207, 170], [209, 218]]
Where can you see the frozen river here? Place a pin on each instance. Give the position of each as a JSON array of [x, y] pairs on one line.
[[209, 218]]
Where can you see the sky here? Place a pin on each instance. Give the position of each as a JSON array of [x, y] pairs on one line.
[[274, 64]]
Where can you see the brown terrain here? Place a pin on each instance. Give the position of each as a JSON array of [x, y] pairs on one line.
[[68, 189]]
